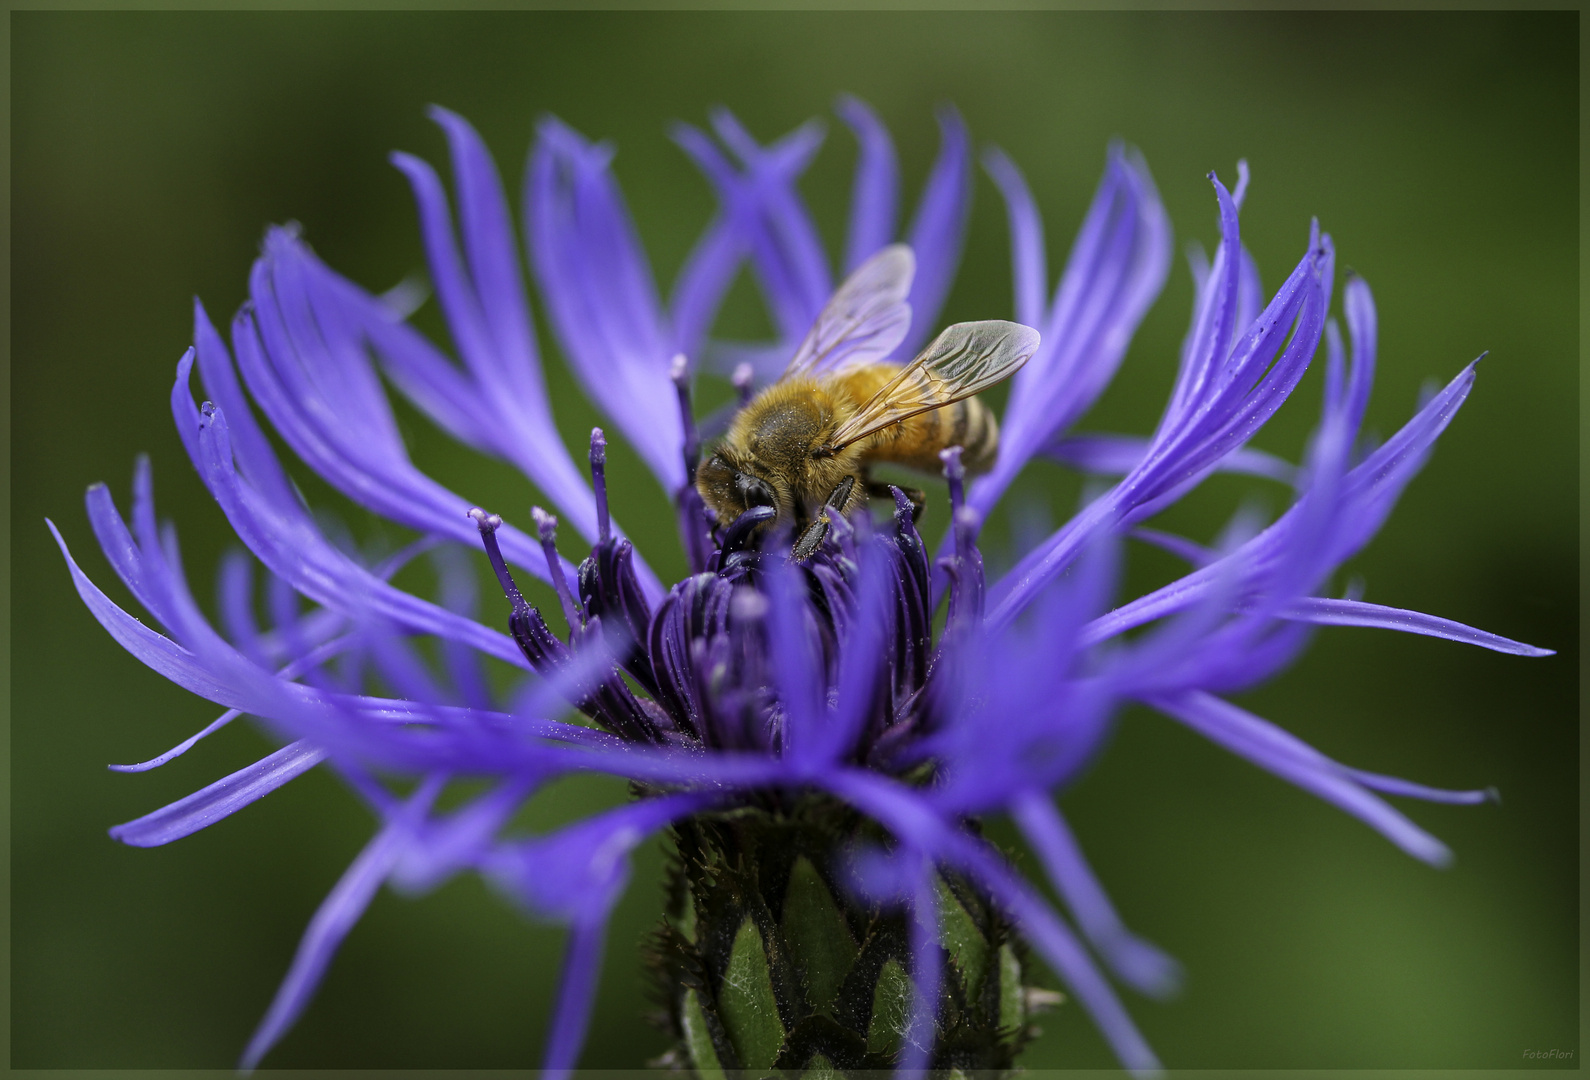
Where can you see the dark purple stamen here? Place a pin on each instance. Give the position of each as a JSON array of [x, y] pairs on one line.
[[680, 374], [955, 473], [966, 568], [743, 373], [538, 643], [695, 524], [964, 520], [968, 522], [547, 529], [738, 537], [609, 591], [488, 525], [913, 614], [968, 605], [695, 528], [695, 612], [741, 657], [599, 482], [842, 532], [607, 700]]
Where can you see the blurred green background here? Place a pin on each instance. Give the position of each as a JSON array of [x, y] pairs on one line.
[[150, 151]]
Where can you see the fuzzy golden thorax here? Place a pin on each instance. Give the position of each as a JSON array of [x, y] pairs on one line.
[[776, 454]]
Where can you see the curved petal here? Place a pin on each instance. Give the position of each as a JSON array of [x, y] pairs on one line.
[[600, 295], [1369, 490], [330, 925], [761, 204], [938, 229], [904, 814], [875, 190], [1222, 404], [576, 875], [1115, 271], [1295, 761], [1328, 612], [221, 799], [1134, 960], [1117, 455], [1029, 262], [297, 553]]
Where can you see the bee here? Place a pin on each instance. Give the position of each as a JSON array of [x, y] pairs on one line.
[[805, 444]]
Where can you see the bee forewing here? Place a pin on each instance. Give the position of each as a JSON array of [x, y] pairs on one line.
[[965, 359], [865, 319]]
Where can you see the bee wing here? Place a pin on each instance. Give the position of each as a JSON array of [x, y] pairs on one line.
[[864, 320], [965, 359]]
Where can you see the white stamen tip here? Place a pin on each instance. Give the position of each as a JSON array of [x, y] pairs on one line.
[[484, 521], [546, 524]]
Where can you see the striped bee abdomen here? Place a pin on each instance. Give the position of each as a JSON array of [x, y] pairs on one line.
[[915, 442], [975, 430]]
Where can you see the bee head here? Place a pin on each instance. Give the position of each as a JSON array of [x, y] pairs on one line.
[[731, 491]]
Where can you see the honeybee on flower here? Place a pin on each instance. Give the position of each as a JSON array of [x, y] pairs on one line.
[[817, 756]]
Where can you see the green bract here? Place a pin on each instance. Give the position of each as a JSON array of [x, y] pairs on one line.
[[766, 962]]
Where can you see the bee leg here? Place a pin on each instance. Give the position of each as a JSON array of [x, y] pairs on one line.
[[917, 496], [814, 534], [810, 540], [841, 495]]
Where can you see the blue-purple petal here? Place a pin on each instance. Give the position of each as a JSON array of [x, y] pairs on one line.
[[1136, 961], [938, 229], [875, 191], [600, 294], [330, 924], [221, 799], [1298, 763], [1328, 612]]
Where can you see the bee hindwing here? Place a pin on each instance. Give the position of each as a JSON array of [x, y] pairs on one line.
[[965, 359]]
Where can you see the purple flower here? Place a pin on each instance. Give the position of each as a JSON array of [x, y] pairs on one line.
[[756, 685]]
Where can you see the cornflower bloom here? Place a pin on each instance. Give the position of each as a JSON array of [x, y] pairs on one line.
[[818, 755]]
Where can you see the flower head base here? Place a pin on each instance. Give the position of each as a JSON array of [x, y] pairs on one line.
[[819, 754]]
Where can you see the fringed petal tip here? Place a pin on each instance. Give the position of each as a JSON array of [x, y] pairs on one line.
[[279, 239]]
